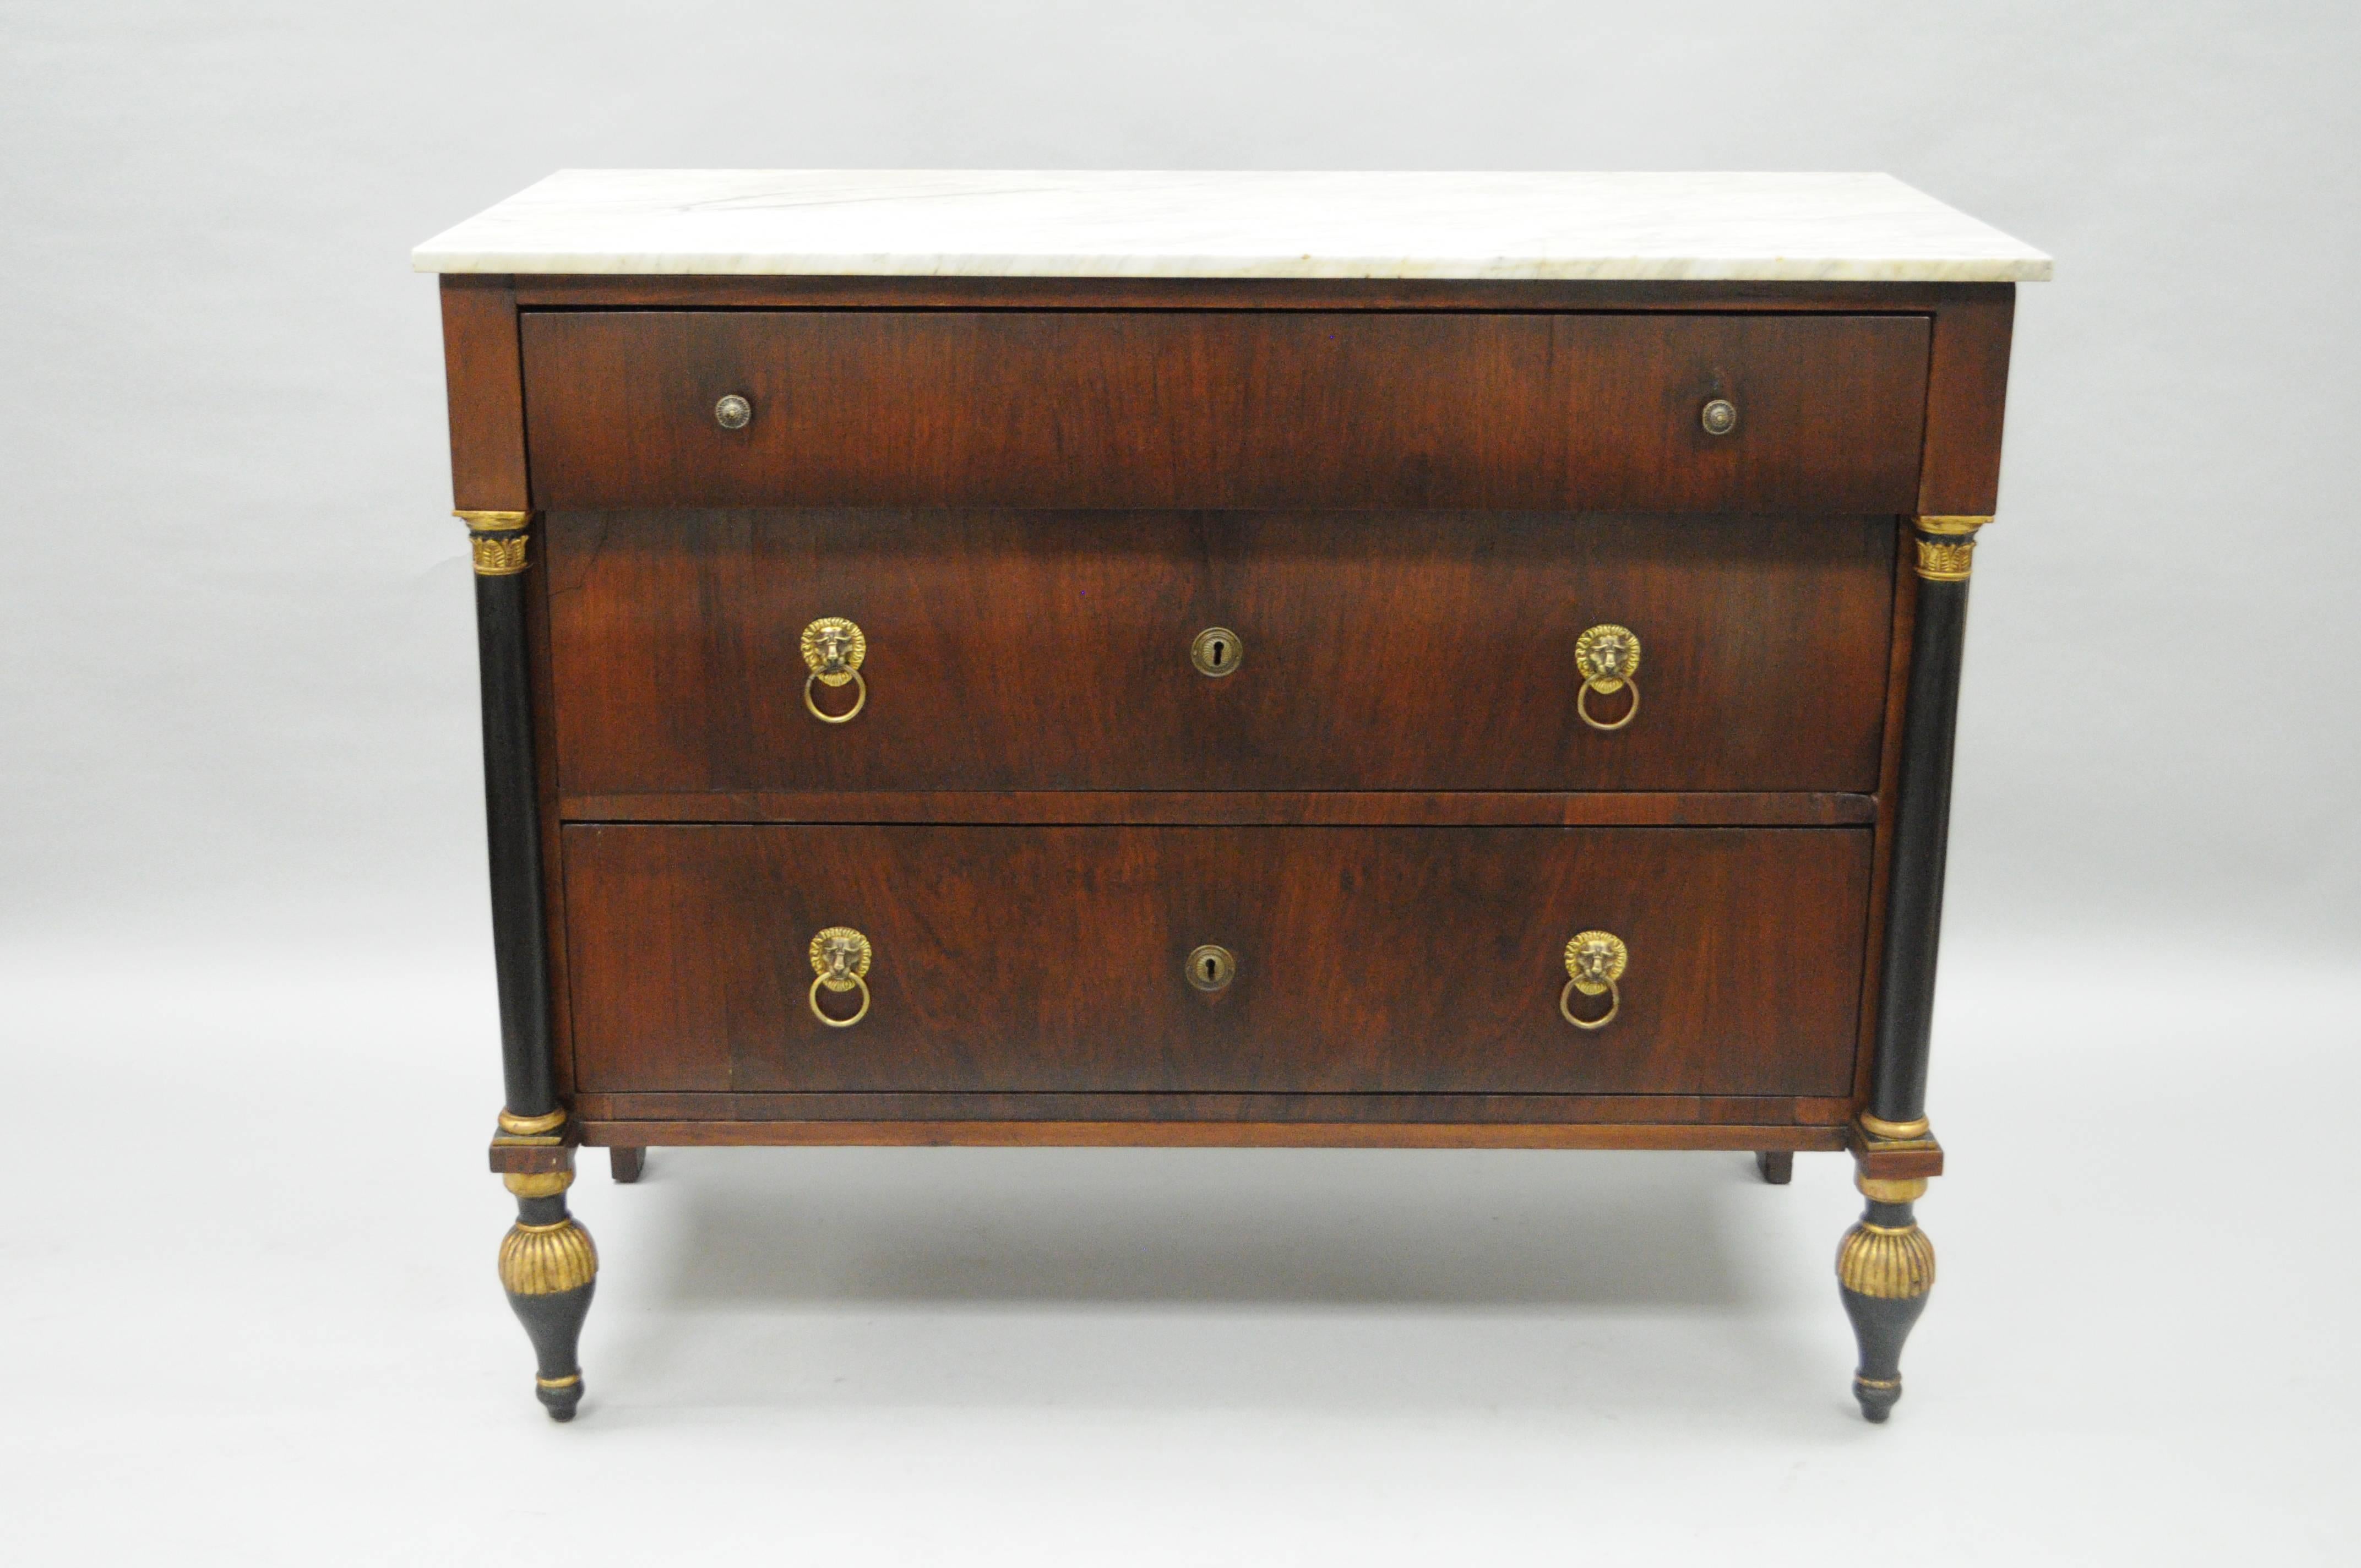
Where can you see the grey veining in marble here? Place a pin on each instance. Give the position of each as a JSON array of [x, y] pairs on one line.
[[1106, 223]]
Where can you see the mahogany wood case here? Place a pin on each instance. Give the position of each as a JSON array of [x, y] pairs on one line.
[[1183, 710]]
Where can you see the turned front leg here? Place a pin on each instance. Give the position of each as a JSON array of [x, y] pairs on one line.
[[548, 1266], [549, 1269], [1885, 1266]]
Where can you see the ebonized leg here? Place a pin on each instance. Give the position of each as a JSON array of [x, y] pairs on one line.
[[1776, 1167], [626, 1164], [1886, 1265], [549, 1269], [547, 1263]]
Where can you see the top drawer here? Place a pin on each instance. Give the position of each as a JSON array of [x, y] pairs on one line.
[[1224, 409]]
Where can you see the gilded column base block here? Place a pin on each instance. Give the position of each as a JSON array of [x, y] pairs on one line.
[[549, 1268], [1885, 1266]]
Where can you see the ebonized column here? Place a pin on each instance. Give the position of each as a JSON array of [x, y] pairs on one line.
[[548, 1266], [511, 812], [1914, 900], [1887, 1266]]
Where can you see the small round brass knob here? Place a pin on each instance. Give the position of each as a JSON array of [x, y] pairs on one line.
[[1217, 652], [1210, 968], [1720, 418], [733, 413]]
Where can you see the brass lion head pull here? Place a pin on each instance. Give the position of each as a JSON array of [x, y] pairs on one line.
[[840, 961], [1595, 960], [1608, 658], [833, 649]]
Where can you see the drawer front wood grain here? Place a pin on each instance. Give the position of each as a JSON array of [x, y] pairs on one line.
[[1216, 409], [1051, 650], [1368, 961]]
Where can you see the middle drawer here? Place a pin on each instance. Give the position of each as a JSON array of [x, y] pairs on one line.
[[1221, 651]]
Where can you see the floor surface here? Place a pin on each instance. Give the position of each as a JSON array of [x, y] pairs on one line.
[[249, 1314]]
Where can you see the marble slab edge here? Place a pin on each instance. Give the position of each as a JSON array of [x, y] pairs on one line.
[[1601, 269]]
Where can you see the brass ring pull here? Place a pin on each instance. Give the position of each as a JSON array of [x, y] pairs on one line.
[[839, 961], [860, 700], [1582, 700], [833, 648], [863, 1012], [1595, 960], [1608, 657]]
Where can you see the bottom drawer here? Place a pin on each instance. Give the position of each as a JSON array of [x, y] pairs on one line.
[[1365, 960]]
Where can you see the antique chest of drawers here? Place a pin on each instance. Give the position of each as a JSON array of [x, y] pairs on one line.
[[1414, 660]]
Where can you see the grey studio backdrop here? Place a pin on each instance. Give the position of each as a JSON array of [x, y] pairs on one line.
[[241, 871]]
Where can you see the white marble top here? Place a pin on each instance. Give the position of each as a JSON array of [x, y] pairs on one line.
[[1108, 223]]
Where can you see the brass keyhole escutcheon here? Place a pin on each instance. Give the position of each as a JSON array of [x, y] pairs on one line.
[[839, 961], [1211, 968], [1595, 960], [1217, 651], [1608, 658], [833, 648]]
